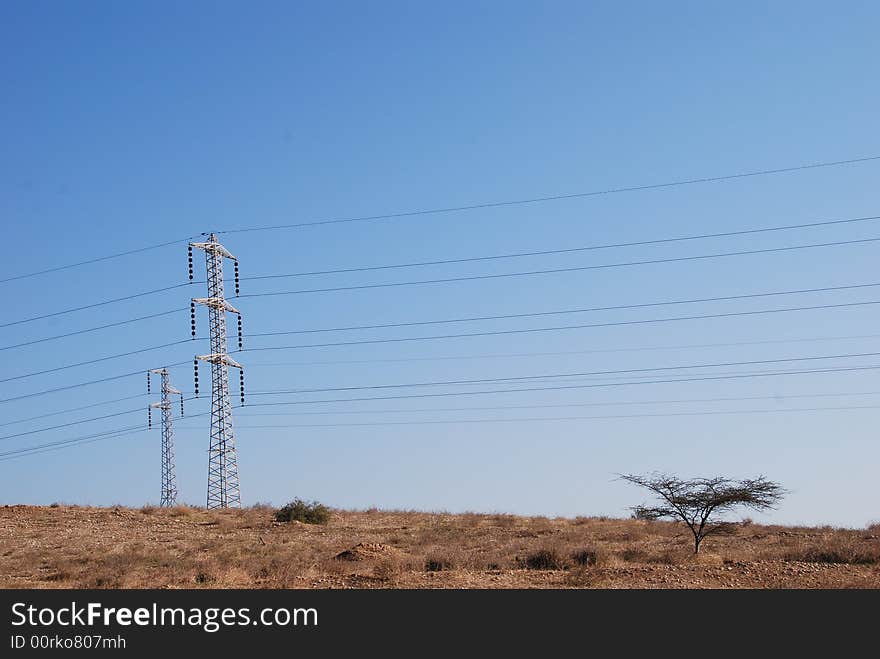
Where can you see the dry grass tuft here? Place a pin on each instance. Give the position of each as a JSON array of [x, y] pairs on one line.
[[839, 553], [438, 564], [544, 559]]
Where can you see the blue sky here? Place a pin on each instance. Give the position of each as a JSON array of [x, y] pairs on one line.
[[129, 124]]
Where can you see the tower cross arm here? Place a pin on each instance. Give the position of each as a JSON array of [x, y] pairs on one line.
[[216, 303], [217, 248], [216, 358]]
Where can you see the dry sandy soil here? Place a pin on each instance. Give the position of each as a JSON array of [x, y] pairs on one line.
[[70, 546]]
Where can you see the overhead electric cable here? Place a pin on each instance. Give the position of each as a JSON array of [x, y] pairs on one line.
[[97, 259], [647, 415], [575, 195], [677, 401], [77, 385], [842, 369], [99, 359], [92, 329], [558, 328], [567, 250], [520, 378], [96, 304], [72, 409], [562, 353], [74, 423], [616, 307], [82, 439], [454, 209], [548, 271]]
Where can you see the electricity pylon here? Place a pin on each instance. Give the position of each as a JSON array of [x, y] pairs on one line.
[[223, 485], [169, 479]]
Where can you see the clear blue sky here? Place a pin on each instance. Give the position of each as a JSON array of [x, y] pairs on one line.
[[128, 124]]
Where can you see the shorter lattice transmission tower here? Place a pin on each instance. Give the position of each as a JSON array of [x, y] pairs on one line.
[[223, 485], [169, 479]]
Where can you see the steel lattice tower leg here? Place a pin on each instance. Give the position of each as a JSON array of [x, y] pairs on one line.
[[168, 497], [223, 485]]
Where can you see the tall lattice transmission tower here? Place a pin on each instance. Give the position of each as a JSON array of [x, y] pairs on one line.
[[169, 480], [223, 485]]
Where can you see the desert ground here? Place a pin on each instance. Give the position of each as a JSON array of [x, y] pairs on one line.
[[79, 547]]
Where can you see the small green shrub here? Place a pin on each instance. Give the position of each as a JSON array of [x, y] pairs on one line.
[[303, 511]]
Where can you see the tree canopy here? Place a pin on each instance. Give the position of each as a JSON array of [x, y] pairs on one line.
[[700, 502]]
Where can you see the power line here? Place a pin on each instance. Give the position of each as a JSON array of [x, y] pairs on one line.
[[76, 441], [569, 250], [409, 339], [428, 422], [576, 195], [77, 385], [122, 432], [139, 372], [454, 209], [472, 334], [844, 369], [620, 323], [71, 409], [70, 386], [470, 278], [63, 442], [529, 273], [562, 353], [93, 260], [98, 359], [461, 320], [37, 450], [70, 423], [653, 369], [617, 307], [460, 357], [96, 304], [82, 439], [658, 375], [92, 329], [678, 401], [77, 422]]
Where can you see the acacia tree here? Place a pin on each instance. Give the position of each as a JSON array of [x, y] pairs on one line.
[[699, 502]]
